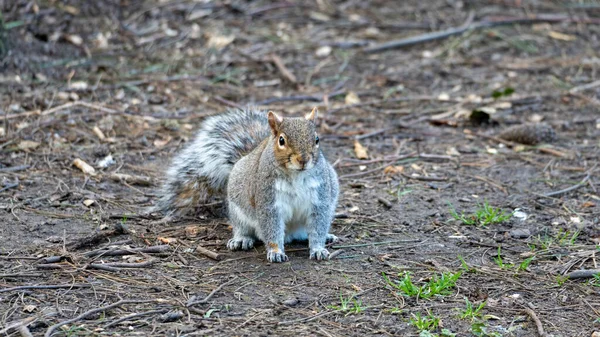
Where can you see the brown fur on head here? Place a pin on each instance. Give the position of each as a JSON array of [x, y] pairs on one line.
[[296, 142]]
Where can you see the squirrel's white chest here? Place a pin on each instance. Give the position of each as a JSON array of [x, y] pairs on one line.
[[294, 199]]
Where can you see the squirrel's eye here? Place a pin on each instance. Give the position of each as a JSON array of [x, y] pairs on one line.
[[317, 140], [281, 141]]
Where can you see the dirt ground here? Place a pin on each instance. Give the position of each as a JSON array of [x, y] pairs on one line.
[[134, 79]]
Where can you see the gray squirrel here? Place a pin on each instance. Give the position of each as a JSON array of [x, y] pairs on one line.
[[279, 186]]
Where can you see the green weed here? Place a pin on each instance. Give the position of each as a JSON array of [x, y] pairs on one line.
[[484, 215], [471, 312], [465, 267], [437, 286], [479, 329], [349, 305], [500, 262], [564, 238], [444, 333], [561, 279], [424, 323], [525, 264]]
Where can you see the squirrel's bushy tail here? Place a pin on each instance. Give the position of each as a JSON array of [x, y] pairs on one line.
[[202, 168]]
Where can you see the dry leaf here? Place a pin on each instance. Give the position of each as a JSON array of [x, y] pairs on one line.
[[29, 308], [78, 85], [100, 41], [220, 41], [319, 16], [88, 202], [360, 151], [74, 39], [561, 36], [491, 150], [167, 240], [192, 231], [70, 9], [452, 151], [352, 98], [84, 167], [28, 145], [162, 142], [588, 204], [393, 169], [536, 118]]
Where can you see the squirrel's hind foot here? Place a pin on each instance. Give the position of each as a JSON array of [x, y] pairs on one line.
[[243, 243]]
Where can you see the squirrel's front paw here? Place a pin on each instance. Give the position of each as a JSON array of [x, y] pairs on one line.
[[273, 256], [243, 243], [319, 254]]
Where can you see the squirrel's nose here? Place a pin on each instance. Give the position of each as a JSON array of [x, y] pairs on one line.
[[303, 160]]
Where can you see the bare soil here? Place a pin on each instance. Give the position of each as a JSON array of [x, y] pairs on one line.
[[146, 73]]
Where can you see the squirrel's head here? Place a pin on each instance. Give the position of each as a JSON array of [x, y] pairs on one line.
[[296, 142]]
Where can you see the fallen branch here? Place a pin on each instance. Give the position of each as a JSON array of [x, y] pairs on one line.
[[589, 273], [569, 189], [14, 168], [136, 315], [52, 328], [209, 253], [115, 266], [131, 179], [287, 74], [50, 286], [61, 107], [423, 178], [119, 252], [538, 323], [16, 325], [315, 98], [584, 87], [425, 37], [487, 22], [96, 237], [193, 300]]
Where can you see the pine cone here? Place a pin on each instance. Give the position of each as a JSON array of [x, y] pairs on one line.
[[529, 134]]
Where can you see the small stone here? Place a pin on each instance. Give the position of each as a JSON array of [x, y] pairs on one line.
[[63, 96], [290, 302], [89, 202], [323, 51], [54, 239], [520, 233]]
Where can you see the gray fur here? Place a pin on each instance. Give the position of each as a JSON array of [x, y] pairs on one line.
[[202, 168], [272, 199]]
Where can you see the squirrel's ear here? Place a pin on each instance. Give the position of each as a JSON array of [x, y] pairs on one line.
[[274, 122], [312, 116]]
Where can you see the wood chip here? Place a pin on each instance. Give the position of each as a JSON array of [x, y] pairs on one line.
[[351, 98], [360, 151], [561, 36], [99, 133], [28, 145], [84, 167]]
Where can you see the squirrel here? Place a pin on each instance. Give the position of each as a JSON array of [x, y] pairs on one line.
[[278, 185]]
